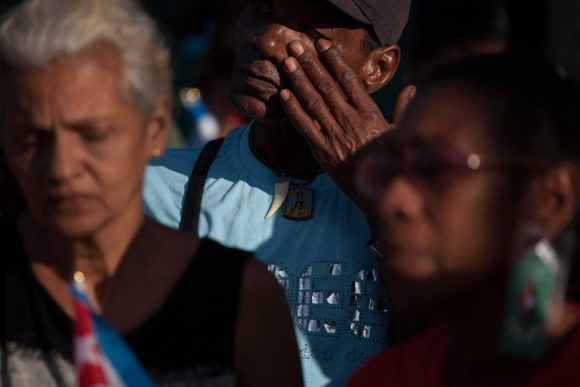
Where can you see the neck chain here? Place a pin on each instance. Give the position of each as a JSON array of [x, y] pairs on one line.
[[311, 171]]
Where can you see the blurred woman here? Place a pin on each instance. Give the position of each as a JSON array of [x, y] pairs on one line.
[[85, 99], [476, 196]]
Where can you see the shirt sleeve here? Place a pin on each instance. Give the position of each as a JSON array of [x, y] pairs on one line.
[[165, 183]]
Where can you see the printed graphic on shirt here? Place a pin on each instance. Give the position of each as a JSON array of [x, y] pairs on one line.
[[327, 300]]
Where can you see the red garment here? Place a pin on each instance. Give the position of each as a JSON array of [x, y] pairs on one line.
[[415, 363], [419, 363]]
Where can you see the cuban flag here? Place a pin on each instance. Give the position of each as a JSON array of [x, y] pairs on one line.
[[102, 359]]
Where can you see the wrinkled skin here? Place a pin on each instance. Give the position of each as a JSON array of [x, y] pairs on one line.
[[294, 85], [264, 31], [77, 155]]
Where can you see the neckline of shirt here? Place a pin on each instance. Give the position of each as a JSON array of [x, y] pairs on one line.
[[252, 165]]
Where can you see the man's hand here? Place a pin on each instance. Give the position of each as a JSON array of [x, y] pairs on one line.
[[332, 110]]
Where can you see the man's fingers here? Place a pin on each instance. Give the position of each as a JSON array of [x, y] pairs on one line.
[[307, 95], [347, 79], [319, 76], [305, 125], [405, 97]]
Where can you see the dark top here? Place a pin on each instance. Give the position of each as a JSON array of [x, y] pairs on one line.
[[188, 341]]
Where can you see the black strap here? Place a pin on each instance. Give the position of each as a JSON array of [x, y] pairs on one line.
[[195, 185]]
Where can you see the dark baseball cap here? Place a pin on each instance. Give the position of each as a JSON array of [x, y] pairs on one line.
[[388, 17]]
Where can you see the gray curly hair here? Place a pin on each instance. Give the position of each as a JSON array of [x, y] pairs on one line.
[[38, 31]]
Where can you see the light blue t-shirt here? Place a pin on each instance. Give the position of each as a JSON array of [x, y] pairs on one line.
[[334, 289]]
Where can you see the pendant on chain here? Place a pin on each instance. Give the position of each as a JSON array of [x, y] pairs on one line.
[[299, 204], [298, 200]]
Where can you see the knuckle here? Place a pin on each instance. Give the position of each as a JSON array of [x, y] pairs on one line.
[[314, 105], [361, 97], [307, 62], [347, 77], [343, 118], [300, 82], [326, 86], [332, 53], [344, 122]]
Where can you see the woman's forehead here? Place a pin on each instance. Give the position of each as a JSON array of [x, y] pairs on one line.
[[448, 115], [84, 83]]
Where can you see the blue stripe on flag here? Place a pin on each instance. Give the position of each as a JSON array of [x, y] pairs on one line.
[[120, 355], [114, 347], [77, 292]]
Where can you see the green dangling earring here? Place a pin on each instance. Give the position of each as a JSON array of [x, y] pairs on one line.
[[534, 296]]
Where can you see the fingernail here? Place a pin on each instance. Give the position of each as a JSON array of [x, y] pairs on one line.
[[296, 48], [413, 92], [290, 65], [284, 95], [322, 45]]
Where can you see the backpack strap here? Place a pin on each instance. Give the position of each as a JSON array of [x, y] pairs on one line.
[[192, 201]]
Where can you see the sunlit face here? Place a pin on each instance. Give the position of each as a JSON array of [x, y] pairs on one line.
[[264, 30], [74, 142], [450, 235]]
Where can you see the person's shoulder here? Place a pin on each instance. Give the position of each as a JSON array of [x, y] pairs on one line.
[[176, 160], [266, 350], [214, 247], [259, 280], [166, 178], [256, 282], [407, 364], [254, 275], [164, 185], [214, 260], [181, 161]]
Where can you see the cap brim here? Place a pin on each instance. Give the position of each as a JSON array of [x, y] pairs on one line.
[[350, 8]]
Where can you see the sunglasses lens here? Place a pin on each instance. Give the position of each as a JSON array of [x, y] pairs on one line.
[[374, 172], [427, 169], [436, 167]]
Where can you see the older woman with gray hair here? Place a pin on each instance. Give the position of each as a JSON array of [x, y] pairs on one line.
[[85, 105]]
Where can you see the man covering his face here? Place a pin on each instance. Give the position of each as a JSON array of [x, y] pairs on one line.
[[304, 70]]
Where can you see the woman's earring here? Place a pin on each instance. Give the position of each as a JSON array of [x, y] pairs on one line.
[[156, 153], [533, 297]]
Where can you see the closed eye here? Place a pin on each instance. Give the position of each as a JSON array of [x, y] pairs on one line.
[[94, 135]]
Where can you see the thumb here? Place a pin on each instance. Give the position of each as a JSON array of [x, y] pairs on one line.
[[405, 97]]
